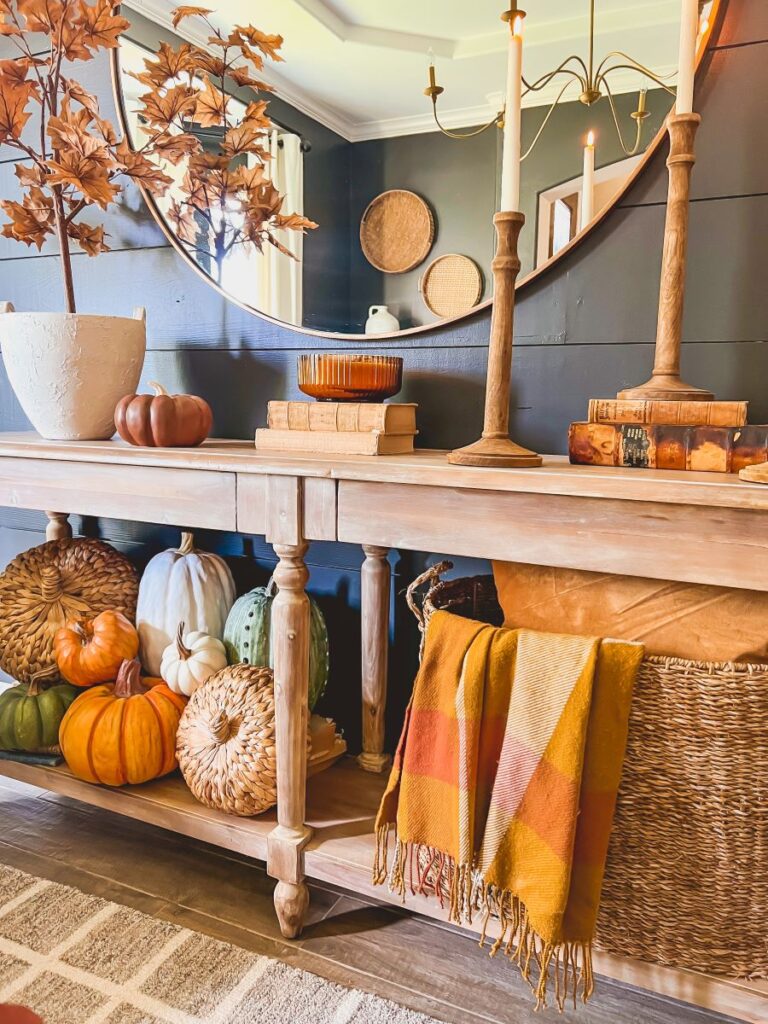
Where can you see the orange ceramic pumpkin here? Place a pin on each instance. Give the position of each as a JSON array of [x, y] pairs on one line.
[[123, 734], [90, 651], [162, 420]]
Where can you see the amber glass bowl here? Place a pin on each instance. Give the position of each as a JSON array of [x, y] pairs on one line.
[[338, 377]]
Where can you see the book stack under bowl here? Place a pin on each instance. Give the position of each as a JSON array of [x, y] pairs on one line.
[[339, 428], [708, 437]]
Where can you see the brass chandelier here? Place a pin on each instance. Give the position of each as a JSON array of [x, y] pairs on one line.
[[591, 79]]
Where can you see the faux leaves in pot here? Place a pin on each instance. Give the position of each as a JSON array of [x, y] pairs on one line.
[[50, 585], [248, 637], [162, 420], [181, 585], [125, 733], [31, 713]]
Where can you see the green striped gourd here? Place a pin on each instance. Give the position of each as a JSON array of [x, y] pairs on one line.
[[248, 637], [30, 715]]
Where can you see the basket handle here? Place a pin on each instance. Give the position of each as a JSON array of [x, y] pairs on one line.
[[432, 576]]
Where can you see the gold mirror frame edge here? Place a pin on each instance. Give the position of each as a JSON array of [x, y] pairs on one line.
[[715, 20]]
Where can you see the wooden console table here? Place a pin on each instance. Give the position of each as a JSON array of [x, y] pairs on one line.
[[702, 528]]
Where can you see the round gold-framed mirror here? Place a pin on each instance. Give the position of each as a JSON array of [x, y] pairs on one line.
[[349, 119]]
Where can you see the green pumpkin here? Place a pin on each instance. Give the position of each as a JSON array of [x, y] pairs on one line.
[[247, 637], [30, 715]]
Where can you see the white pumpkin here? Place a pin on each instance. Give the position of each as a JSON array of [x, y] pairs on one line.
[[190, 660], [181, 585]]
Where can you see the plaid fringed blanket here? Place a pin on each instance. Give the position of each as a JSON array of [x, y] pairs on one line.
[[502, 793]]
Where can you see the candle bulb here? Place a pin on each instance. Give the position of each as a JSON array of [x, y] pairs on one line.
[[588, 182], [686, 64], [510, 164]]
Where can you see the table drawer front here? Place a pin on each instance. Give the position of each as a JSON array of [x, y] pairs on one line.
[[690, 543], [178, 497]]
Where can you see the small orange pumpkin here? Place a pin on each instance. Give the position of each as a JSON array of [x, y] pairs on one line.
[[90, 651], [123, 734], [162, 420]]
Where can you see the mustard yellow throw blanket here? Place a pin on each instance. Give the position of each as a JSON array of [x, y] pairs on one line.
[[504, 784]]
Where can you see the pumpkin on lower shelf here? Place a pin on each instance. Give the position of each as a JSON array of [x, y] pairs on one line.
[[181, 585], [190, 660], [162, 420], [30, 715], [123, 734], [248, 637], [90, 651]]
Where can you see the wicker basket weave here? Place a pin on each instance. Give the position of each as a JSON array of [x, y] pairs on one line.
[[686, 882]]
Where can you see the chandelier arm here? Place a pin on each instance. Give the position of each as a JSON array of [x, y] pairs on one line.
[[464, 135], [638, 132], [602, 76], [543, 124], [560, 69], [632, 65]]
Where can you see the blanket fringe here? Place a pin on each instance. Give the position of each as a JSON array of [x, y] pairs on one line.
[[423, 870]]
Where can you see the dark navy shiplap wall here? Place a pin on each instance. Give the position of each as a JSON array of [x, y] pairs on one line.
[[583, 330]]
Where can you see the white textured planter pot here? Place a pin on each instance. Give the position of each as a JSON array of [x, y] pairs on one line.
[[69, 370]]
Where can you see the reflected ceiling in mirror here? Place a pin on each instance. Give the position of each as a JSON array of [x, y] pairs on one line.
[[354, 145]]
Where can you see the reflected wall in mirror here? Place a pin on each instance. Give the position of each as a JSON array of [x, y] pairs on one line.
[[352, 118]]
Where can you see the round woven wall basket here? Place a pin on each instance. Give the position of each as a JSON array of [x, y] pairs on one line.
[[451, 285], [397, 231], [46, 587], [685, 881]]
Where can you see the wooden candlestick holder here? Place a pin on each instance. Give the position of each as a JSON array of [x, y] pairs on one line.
[[495, 448], [665, 384]]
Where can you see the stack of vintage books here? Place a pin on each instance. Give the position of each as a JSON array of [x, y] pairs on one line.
[[339, 428], [709, 437]]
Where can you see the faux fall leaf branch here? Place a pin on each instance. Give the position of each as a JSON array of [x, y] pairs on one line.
[[73, 158]]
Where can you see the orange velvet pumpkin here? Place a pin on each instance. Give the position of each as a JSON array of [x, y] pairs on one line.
[[162, 420], [90, 651], [123, 734]]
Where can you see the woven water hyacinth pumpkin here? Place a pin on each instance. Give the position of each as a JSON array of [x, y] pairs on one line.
[[226, 741], [50, 585]]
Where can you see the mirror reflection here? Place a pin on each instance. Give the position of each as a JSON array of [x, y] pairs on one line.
[[382, 127]]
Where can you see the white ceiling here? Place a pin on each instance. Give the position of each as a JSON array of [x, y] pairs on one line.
[[360, 66]]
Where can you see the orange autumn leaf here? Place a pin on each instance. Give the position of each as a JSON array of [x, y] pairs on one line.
[[14, 97], [208, 63], [250, 177], [175, 148], [167, 64], [29, 175], [243, 77], [269, 45], [72, 136], [86, 176], [211, 106], [90, 239], [142, 170], [164, 109], [43, 15], [294, 222], [32, 220], [101, 26], [243, 138], [179, 13], [183, 220]]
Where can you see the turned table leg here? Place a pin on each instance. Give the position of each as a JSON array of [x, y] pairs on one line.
[[375, 586], [58, 527], [290, 625]]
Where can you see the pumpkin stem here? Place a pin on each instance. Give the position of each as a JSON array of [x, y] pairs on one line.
[[50, 583], [36, 687], [187, 545], [181, 647], [129, 682], [220, 727], [271, 587], [159, 389], [79, 628]]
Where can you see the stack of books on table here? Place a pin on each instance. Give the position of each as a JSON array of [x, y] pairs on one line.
[[709, 437], [339, 428]]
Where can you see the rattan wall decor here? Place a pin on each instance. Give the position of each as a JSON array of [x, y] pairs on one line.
[[452, 284], [397, 231], [44, 588]]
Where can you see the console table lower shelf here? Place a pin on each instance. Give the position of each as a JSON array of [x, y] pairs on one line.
[[341, 805]]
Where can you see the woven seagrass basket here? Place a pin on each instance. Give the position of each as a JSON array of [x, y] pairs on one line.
[[686, 882]]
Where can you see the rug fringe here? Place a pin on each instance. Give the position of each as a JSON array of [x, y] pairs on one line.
[[565, 967]]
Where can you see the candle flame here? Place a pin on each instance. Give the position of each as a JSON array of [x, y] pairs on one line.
[[704, 26], [590, 138], [517, 27]]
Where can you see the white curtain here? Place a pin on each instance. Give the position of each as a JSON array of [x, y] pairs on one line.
[[280, 277]]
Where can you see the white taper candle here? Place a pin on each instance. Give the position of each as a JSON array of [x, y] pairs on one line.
[[588, 182], [686, 62], [510, 163]]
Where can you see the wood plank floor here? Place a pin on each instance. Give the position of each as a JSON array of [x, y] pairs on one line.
[[415, 962]]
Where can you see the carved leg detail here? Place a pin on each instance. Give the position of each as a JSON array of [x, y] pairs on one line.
[[291, 624], [375, 586], [58, 527]]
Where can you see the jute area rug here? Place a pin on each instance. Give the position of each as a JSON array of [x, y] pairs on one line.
[[78, 959]]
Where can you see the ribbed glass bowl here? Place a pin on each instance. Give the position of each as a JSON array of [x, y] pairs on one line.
[[338, 377]]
